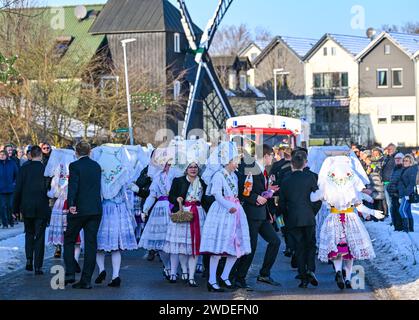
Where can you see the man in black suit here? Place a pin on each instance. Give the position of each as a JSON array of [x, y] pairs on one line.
[[300, 213], [30, 199], [85, 206], [258, 217]]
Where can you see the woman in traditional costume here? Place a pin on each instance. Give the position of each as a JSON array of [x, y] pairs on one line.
[[226, 231], [343, 236], [116, 231]]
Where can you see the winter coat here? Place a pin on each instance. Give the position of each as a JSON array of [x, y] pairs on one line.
[[388, 167], [8, 176], [393, 187], [407, 181], [377, 185]]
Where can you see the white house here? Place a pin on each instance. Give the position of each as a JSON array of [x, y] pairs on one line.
[[331, 79]]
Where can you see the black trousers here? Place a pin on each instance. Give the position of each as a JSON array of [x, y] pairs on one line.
[[90, 226], [35, 240], [267, 232], [395, 214], [304, 240]]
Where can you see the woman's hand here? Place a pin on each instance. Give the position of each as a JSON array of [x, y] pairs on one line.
[[180, 200]]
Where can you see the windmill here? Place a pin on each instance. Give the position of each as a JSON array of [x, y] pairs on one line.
[[208, 105]]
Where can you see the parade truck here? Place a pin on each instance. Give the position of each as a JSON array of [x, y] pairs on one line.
[[275, 131]]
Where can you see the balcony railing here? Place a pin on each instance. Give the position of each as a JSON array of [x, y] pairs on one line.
[[339, 92]]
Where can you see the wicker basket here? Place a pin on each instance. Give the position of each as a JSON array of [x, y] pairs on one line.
[[182, 216]]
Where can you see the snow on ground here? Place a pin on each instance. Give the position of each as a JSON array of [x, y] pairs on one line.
[[12, 250], [397, 257]]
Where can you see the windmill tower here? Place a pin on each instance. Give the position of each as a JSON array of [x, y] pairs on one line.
[[208, 105]]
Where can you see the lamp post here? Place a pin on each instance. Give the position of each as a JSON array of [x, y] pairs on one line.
[[124, 47], [276, 72]]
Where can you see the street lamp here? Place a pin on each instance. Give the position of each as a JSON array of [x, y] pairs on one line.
[[276, 72], [124, 46]]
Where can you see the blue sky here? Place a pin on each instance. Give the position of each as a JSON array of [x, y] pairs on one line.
[[304, 18]]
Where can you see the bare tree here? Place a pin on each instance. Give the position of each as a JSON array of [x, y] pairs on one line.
[[409, 27], [231, 39]]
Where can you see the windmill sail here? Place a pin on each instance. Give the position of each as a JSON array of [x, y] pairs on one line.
[[208, 106]]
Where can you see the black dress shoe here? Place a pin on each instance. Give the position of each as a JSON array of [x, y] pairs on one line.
[[101, 277], [212, 288], [115, 283], [192, 283], [339, 280], [298, 277], [268, 280], [304, 284], [226, 284], [348, 284], [38, 272], [29, 265], [312, 279], [81, 285]]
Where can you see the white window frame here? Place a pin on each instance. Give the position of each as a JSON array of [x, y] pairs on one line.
[[378, 80], [176, 90], [333, 51], [387, 53], [176, 38], [401, 78], [103, 79]]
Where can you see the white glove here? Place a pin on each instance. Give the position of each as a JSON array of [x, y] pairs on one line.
[[134, 187], [406, 197], [367, 212], [144, 216]]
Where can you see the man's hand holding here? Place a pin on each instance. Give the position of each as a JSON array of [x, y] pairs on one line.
[[73, 210]]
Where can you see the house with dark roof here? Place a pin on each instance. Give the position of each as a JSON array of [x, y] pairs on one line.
[[331, 80], [159, 52], [389, 90]]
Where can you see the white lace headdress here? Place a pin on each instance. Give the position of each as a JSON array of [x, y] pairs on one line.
[[220, 157], [339, 183]]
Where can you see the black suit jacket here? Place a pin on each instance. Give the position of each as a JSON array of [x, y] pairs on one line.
[[30, 197], [252, 210], [294, 199], [84, 187], [180, 187]]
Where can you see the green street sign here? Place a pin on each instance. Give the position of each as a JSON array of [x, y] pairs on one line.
[[121, 130]]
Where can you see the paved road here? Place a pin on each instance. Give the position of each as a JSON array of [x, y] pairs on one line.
[[142, 280]]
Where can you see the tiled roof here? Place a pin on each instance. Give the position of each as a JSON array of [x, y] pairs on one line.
[[409, 42], [300, 45], [352, 44]]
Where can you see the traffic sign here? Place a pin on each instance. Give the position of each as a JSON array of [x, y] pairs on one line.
[[121, 130]]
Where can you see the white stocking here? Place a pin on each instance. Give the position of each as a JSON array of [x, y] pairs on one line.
[[348, 268], [338, 263], [174, 263], [116, 264], [165, 258], [183, 263], [228, 266], [77, 251], [214, 260], [192, 262], [100, 260]]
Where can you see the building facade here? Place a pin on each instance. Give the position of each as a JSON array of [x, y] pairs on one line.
[[388, 73]]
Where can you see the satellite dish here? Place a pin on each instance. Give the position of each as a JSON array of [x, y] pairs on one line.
[[80, 12], [371, 32]]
